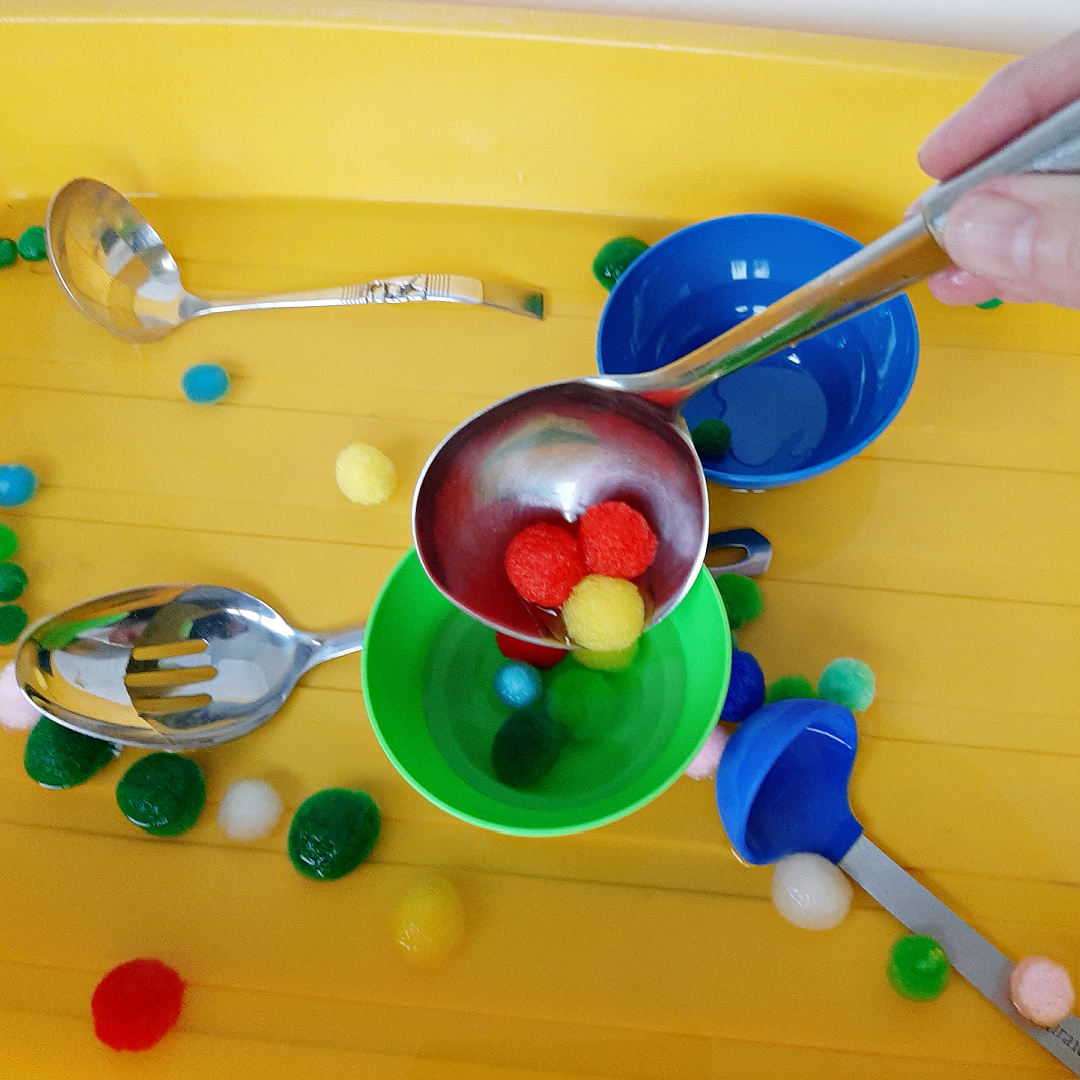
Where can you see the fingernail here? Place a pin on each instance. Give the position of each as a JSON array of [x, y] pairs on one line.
[[991, 235]]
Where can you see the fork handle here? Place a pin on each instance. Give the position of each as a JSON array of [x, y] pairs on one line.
[[334, 644]]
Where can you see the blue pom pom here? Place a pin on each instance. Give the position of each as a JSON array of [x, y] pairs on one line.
[[746, 688], [517, 685], [17, 485], [205, 383]]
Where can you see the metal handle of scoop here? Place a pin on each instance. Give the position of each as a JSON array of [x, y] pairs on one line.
[[910, 252], [969, 952], [407, 289]]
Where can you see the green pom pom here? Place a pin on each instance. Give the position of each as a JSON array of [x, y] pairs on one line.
[[57, 757], [526, 748], [848, 682], [614, 257], [918, 968], [989, 305], [31, 245], [9, 542], [789, 686], [9, 252], [583, 701], [333, 832], [12, 581], [162, 793], [13, 622], [742, 599], [534, 305], [711, 438]]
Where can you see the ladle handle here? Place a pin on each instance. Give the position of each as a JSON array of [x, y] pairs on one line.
[[892, 263], [970, 953], [334, 644], [407, 289]]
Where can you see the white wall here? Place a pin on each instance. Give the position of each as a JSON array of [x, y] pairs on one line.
[[1011, 26]]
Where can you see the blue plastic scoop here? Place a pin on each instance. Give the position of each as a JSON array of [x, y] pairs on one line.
[[782, 788]]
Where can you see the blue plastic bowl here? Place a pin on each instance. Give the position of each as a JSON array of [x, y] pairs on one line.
[[792, 415]]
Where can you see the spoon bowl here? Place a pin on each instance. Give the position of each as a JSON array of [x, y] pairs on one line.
[[547, 455], [169, 667]]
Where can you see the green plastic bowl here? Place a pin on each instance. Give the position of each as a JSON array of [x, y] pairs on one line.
[[427, 670]]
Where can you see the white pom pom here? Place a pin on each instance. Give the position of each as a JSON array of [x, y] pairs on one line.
[[249, 810], [704, 765], [16, 713], [810, 891]]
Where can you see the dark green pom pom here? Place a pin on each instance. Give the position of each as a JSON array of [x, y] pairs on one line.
[[711, 438], [742, 599], [57, 757], [790, 686], [333, 832], [9, 253], [989, 305], [13, 622], [614, 257], [12, 581], [526, 748], [31, 245], [162, 793]]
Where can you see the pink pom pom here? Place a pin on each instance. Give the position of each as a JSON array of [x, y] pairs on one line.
[[703, 767], [1041, 991], [16, 713]]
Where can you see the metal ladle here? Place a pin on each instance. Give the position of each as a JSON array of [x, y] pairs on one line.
[[120, 275], [551, 452]]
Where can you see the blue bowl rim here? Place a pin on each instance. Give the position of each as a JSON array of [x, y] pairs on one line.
[[904, 322]]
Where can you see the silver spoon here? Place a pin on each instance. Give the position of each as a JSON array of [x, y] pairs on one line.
[[551, 452], [119, 274], [170, 667], [177, 667]]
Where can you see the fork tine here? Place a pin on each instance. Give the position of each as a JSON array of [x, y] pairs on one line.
[[164, 678], [163, 706], [168, 649]]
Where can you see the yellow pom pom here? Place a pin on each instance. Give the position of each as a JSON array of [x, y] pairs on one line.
[[430, 923], [606, 661], [604, 614], [365, 475]]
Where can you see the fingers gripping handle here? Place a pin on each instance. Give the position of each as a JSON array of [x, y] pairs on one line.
[[1051, 147]]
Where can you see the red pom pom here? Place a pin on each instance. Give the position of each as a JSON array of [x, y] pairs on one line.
[[616, 540], [544, 564], [136, 1004], [539, 656]]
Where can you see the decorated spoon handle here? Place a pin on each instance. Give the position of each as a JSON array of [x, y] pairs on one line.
[[970, 953], [407, 289]]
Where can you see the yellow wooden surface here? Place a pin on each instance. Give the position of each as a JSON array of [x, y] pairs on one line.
[[296, 148]]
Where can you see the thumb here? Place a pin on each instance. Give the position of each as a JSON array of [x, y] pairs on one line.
[[1020, 235]]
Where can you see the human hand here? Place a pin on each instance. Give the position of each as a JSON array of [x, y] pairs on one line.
[[1014, 237]]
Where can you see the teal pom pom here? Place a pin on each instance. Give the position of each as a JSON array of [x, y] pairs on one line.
[[742, 599], [849, 683], [789, 686]]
